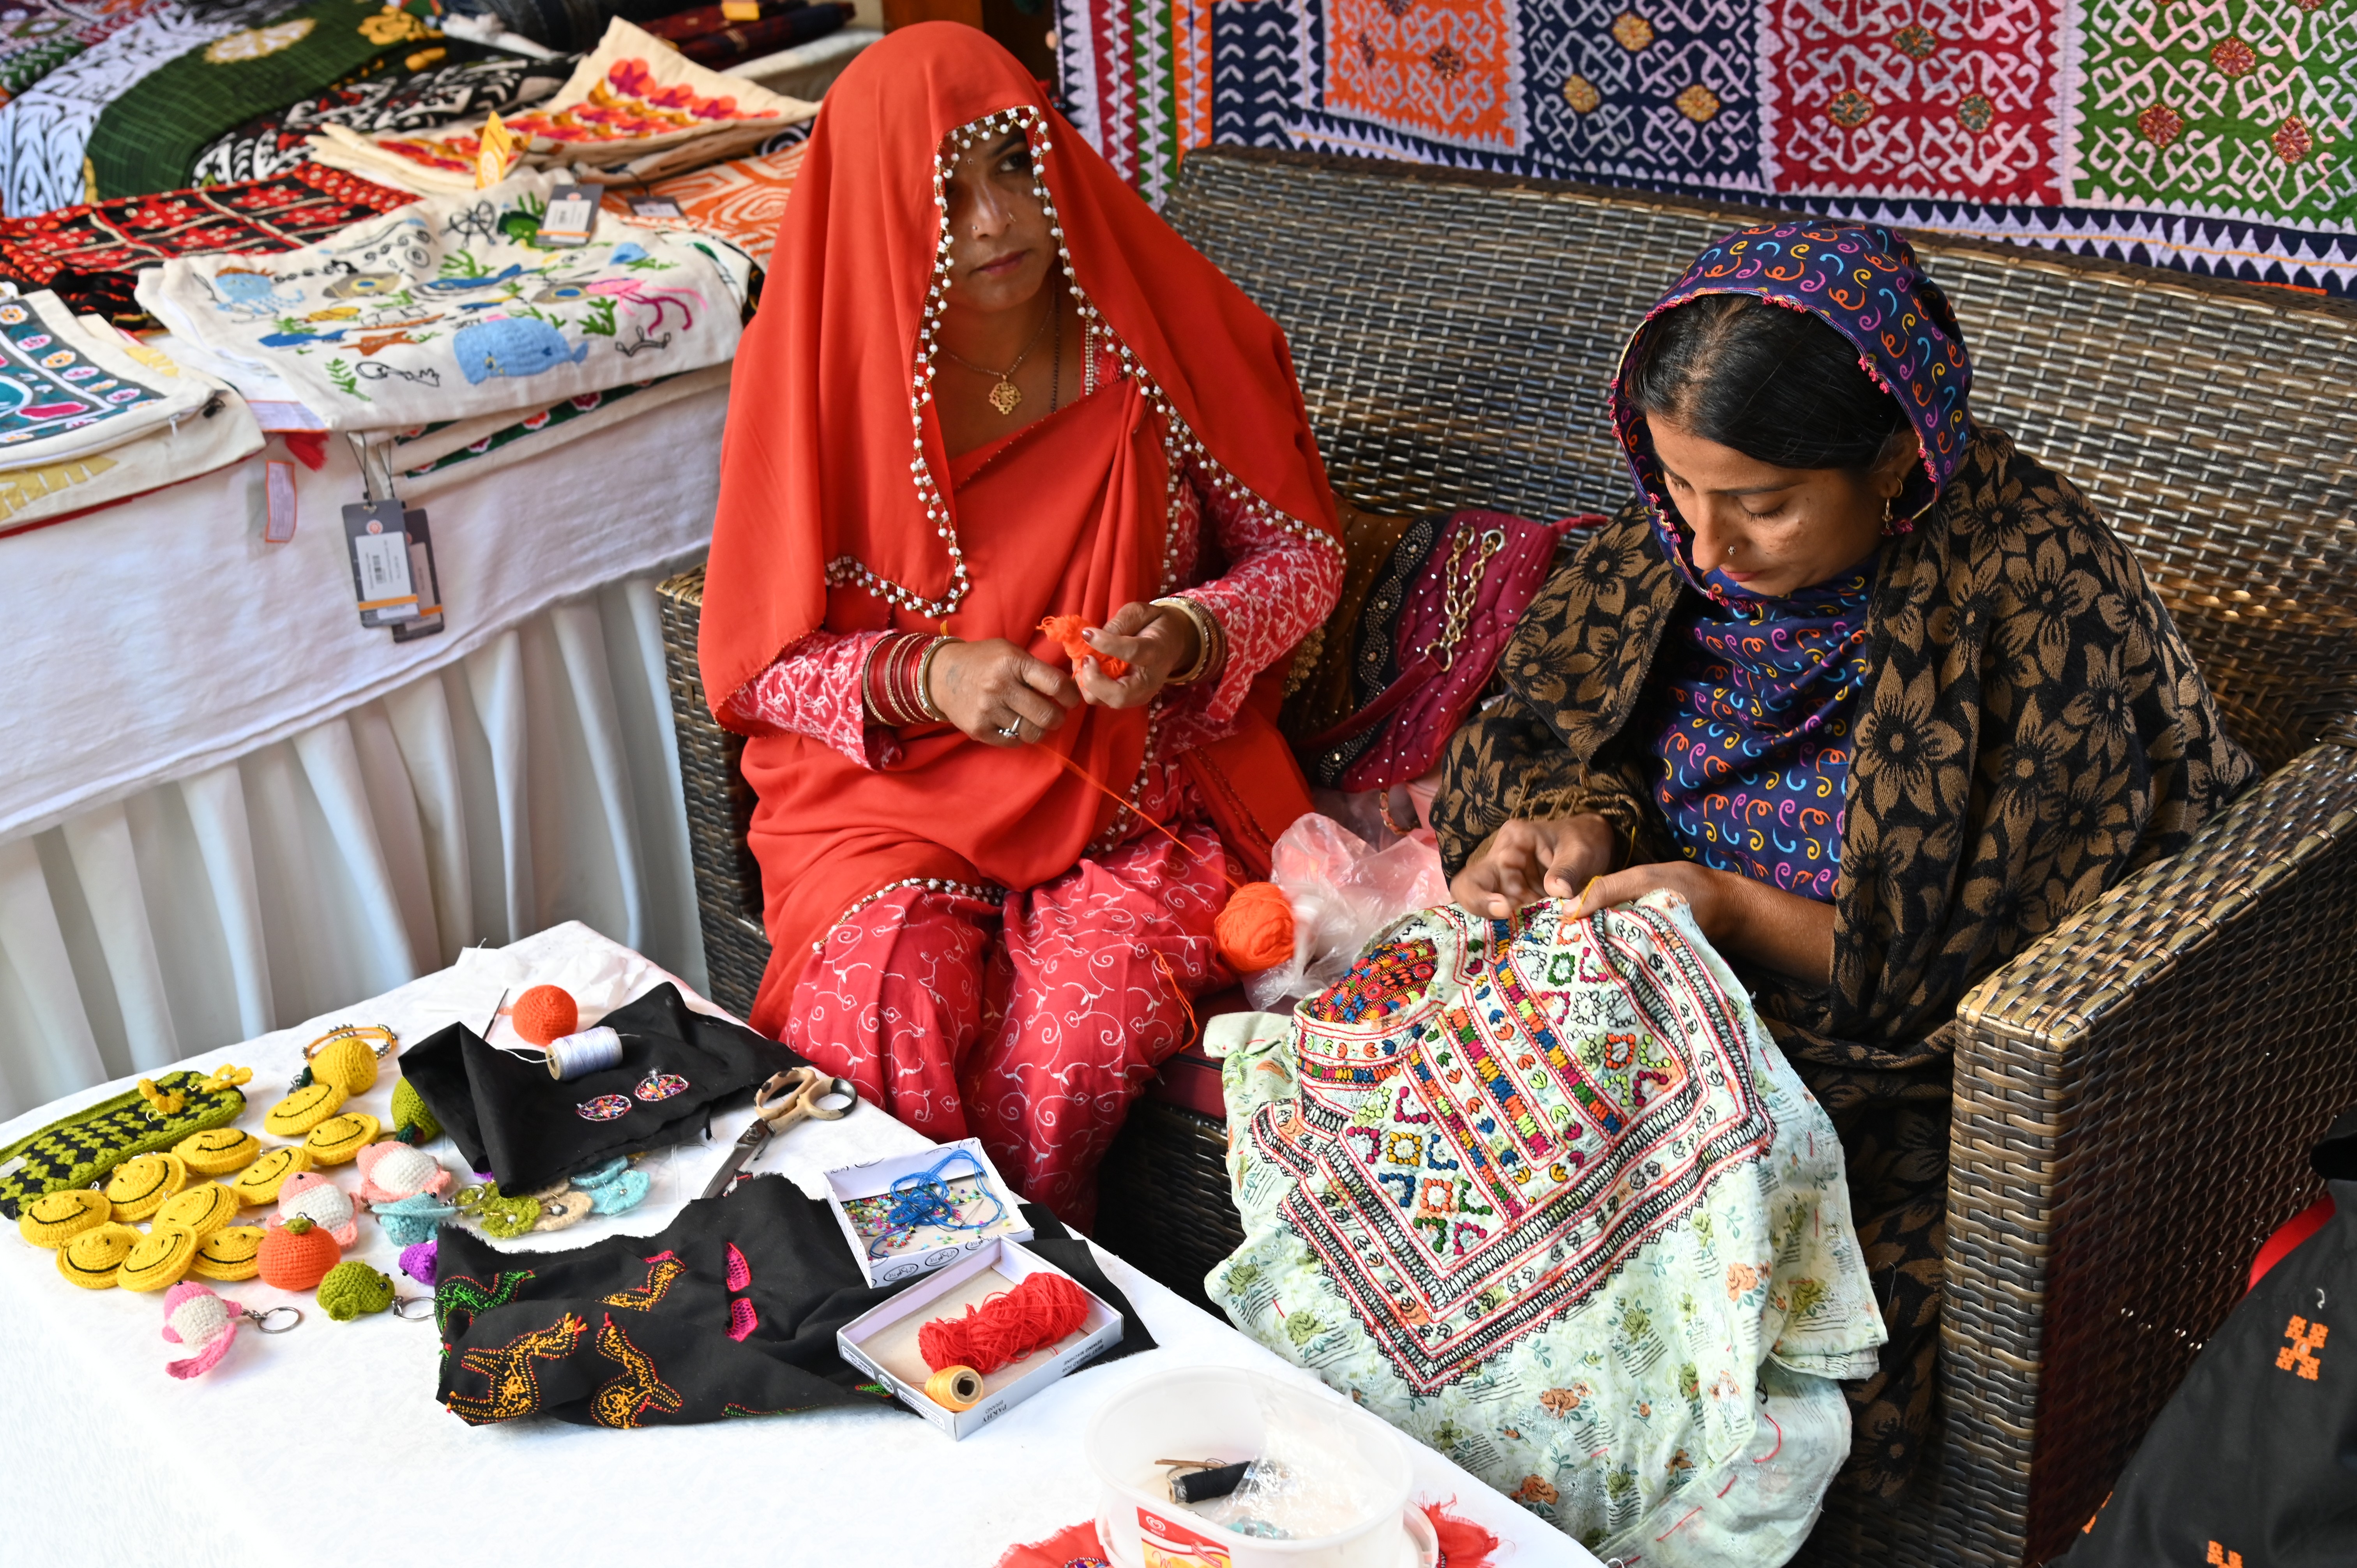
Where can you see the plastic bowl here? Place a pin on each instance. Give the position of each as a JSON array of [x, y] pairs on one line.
[[1216, 1411]]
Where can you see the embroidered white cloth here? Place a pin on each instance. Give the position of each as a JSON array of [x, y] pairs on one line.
[[450, 309], [1543, 1193], [68, 389]]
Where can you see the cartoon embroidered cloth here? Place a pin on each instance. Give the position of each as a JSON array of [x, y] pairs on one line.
[[66, 389], [147, 139], [1544, 1195], [450, 308], [90, 255], [510, 1118], [635, 105], [741, 201], [731, 1311]]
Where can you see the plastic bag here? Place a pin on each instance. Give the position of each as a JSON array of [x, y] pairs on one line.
[[1344, 892]]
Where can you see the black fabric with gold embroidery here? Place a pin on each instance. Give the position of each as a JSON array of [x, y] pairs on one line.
[[510, 1118], [731, 1311], [2252, 1463]]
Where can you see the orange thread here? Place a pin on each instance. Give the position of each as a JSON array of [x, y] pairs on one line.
[[1037, 1312], [1193, 1028], [1066, 632], [1085, 777]]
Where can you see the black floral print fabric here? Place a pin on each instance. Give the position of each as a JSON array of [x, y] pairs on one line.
[[2033, 731]]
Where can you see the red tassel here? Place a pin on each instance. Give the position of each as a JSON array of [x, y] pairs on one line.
[[1463, 1543], [1066, 630], [1036, 1313]]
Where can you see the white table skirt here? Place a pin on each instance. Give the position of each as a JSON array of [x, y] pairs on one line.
[[223, 803], [300, 1447]]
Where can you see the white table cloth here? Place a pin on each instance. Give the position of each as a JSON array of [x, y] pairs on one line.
[[326, 1443]]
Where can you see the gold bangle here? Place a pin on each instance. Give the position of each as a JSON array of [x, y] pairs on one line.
[[925, 680], [1210, 640]]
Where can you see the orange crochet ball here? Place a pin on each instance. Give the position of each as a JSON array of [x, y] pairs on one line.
[[297, 1255], [546, 1012], [1256, 930]]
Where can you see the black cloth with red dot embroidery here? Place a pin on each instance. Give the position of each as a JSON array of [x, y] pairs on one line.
[[510, 1118]]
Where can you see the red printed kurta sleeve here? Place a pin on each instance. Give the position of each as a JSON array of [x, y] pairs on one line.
[[812, 689], [1281, 582]]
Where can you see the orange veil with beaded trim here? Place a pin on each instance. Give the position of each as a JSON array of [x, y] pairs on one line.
[[839, 509]]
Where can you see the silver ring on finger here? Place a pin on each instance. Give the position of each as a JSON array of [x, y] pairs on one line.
[[1015, 730]]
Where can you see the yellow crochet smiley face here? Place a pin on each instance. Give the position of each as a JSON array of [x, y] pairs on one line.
[[200, 1210], [232, 1252], [258, 1184], [140, 1186], [348, 1062], [156, 1260], [55, 1219], [303, 1110], [93, 1258], [339, 1138], [219, 1150]]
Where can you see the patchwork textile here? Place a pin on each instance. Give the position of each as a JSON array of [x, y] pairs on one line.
[[38, 35], [68, 389], [449, 308], [742, 201], [45, 130], [148, 138], [1543, 1194], [2212, 136], [729, 1311], [472, 83], [635, 105], [89, 255]]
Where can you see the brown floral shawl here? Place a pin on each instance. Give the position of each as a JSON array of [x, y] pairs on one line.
[[2034, 731]]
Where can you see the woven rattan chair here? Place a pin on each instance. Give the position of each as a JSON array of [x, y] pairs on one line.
[[2135, 1095]]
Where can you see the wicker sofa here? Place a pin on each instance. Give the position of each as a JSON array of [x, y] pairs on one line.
[[2135, 1095]]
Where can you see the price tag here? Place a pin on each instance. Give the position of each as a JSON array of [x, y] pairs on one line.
[[427, 578], [381, 583], [491, 153], [278, 486], [655, 207], [571, 218]]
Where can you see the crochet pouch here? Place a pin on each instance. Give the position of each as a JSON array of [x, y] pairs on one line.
[[79, 1149]]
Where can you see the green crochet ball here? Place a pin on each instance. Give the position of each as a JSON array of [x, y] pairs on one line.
[[353, 1290], [411, 1121]]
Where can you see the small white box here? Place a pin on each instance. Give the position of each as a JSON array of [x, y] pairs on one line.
[[856, 1182], [883, 1340]]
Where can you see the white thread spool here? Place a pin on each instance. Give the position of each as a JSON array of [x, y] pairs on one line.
[[590, 1050]]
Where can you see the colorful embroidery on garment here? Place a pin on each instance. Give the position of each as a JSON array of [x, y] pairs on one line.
[[1378, 985], [2307, 1338], [661, 1270], [742, 1320], [605, 1108], [659, 1085], [638, 1389], [741, 1272], [47, 388], [508, 1368], [460, 1300]]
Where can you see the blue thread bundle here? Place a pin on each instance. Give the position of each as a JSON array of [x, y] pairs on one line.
[[922, 1198]]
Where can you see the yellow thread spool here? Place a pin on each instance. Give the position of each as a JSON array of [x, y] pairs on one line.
[[954, 1387]]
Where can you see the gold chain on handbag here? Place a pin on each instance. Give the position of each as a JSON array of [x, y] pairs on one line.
[[1461, 590]]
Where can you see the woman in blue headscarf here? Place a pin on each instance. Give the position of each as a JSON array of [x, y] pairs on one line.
[[1878, 693]]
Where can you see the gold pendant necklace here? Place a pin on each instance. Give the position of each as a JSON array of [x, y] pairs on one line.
[[1005, 397]]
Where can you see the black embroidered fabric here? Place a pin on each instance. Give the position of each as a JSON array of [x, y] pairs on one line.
[[510, 1118], [731, 1311], [1374, 663]]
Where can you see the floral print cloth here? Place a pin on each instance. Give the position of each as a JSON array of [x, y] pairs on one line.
[[1543, 1193], [451, 307]]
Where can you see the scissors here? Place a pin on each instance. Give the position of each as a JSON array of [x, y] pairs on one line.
[[791, 1097]]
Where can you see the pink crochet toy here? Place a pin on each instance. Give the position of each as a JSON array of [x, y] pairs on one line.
[[322, 1202], [391, 1171], [196, 1317]]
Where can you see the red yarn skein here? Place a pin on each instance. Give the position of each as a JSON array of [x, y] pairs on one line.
[[1067, 629], [1256, 930], [1036, 1313]]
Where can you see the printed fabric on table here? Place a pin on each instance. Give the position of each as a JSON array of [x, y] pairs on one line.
[[742, 201], [38, 37], [1543, 1193], [66, 389], [90, 256]]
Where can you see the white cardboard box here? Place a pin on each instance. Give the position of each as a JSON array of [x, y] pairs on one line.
[[883, 1340], [855, 1182]]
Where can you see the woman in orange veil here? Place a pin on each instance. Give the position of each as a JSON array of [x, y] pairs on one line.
[[987, 386]]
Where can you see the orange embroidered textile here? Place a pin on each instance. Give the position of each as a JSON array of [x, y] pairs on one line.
[[742, 201], [839, 509]]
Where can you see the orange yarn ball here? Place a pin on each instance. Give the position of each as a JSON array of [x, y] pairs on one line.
[[1256, 930], [297, 1255], [546, 1012]]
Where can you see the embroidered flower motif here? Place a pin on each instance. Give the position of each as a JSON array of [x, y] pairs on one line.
[[659, 1085], [1697, 103], [1915, 41], [1975, 113], [1850, 109], [253, 43], [2234, 58], [605, 1108], [2160, 124], [2291, 140], [1632, 31], [1581, 94], [1535, 1490], [1446, 63]]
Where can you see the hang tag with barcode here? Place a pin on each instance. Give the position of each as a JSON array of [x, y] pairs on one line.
[[425, 576], [571, 218], [655, 207], [381, 580]]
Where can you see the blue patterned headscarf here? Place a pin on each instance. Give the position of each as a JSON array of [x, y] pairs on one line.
[[1757, 692]]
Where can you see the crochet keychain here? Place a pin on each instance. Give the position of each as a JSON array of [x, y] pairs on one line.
[[205, 1322]]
